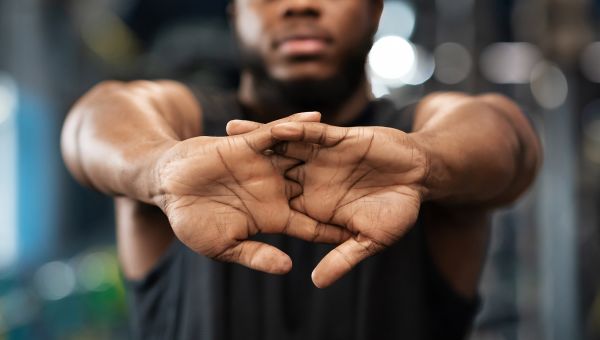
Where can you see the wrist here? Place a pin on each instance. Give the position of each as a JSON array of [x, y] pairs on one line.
[[143, 180], [435, 170]]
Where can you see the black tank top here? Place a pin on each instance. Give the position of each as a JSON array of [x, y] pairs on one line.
[[397, 294]]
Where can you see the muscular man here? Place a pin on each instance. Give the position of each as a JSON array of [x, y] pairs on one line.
[[403, 194]]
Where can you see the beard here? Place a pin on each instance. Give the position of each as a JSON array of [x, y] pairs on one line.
[[284, 97]]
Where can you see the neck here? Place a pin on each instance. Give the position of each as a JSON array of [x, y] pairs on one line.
[[266, 100]]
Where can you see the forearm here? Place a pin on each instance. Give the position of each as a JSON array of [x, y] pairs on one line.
[[116, 133], [481, 150]]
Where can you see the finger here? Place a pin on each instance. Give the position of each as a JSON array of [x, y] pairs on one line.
[[310, 116], [342, 259], [297, 174], [261, 138], [258, 256], [298, 205], [299, 151], [284, 164], [306, 228], [316, 133], [239, 126], [292, 189]]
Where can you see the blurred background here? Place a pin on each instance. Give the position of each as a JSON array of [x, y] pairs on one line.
[[59, 277]]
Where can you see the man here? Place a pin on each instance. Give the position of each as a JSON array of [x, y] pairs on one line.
[[404, 196]]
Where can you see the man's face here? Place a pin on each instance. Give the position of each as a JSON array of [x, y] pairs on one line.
[[298, 40]]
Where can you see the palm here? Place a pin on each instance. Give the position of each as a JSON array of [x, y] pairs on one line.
[[237, 191], [365, 179], [219, 191], [357, 184]]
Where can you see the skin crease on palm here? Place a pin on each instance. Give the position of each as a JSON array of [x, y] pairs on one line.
[[241, 201], [365, 179]]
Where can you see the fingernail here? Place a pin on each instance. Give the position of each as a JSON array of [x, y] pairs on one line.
[[229, 123], [312, 277], [308, 114]]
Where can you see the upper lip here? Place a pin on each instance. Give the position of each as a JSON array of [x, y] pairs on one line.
[[304, 33]]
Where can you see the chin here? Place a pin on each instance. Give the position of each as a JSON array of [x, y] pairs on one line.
[[303, 72]]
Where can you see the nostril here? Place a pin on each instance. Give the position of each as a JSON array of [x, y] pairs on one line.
[[302, 11]]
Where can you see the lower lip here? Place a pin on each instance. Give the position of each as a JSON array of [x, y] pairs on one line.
[[303, 47]]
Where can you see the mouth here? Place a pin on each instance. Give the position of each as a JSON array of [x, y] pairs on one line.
[[303, 44]]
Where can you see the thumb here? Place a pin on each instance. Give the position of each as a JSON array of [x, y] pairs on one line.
[[342, 259], [239, 126]]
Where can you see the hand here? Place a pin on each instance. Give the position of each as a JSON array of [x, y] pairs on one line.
[[219, 191], [367, 179]]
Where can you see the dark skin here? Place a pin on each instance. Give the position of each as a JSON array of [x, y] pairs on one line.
[[358, 177], [465, 155], [278, 71]]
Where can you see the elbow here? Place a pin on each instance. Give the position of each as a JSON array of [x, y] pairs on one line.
[[69, 148], [529, 164], [527, 149], [70, 143]]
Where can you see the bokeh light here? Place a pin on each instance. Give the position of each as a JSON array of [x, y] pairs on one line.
[[549, 85], [509, 63], [55, 280], [398, 18], [378, 88], [94, 271], [453, 63], [422, 69], [392, 58]]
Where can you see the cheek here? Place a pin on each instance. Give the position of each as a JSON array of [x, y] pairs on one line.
[[353, 26]]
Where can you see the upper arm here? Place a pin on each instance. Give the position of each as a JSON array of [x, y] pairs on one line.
[[111, 133], [457, 235], [114, 118]]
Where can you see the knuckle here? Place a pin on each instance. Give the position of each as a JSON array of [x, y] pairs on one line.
[[370, 246], [345, 257], [318, 231], [323, 136]]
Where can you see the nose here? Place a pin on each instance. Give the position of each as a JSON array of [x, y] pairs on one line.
[[302, 8]]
